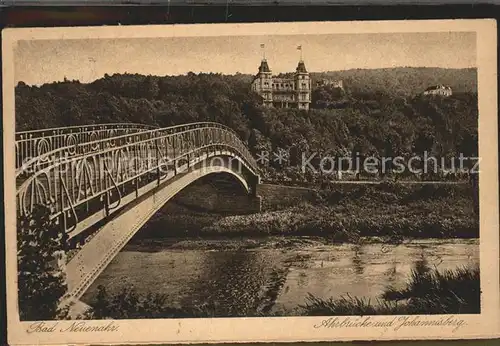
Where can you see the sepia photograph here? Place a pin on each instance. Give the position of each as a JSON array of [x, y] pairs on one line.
[[192, 174]]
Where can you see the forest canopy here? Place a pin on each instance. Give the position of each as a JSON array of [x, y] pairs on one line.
[[379, 112]]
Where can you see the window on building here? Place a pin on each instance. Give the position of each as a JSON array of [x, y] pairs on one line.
[[304, 85]]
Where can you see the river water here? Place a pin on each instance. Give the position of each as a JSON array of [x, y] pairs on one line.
[[273, 275]]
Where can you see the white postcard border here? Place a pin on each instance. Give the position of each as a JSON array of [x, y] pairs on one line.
[[274, 329]]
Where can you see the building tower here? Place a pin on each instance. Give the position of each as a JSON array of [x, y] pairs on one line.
[[262, 83], [302, 86]]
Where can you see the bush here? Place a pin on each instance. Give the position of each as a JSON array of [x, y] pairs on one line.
[[41, 281], [449, 291], [427, 292]]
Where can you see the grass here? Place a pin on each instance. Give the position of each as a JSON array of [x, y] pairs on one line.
[[427, 292], [345, 226], [349, 306], [128, 304]]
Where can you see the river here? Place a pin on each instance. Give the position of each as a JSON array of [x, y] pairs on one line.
[[272, 275]]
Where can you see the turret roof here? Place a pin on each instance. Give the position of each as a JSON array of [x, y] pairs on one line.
[[301, 67], [264, 67]]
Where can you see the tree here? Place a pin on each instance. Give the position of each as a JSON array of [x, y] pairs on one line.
[[41, 281], [150, 88]]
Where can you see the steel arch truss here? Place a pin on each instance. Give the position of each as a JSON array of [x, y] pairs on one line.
[[103, 175]]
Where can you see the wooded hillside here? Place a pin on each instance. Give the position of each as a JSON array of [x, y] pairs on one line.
[[403, 81], [367, 118]]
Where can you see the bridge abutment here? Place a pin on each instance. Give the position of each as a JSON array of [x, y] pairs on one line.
[[219, 195]]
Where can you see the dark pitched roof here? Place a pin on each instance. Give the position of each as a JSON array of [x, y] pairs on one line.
[[301, 67], [264, 67]]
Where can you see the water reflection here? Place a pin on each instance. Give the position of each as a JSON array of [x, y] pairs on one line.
[[233, 282], [302, 281], [391, 273], [421, 263], [356, 259]]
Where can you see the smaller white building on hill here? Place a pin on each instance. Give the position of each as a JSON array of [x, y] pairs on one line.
[[441, 90]]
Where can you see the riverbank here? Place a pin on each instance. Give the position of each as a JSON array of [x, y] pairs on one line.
[[391, 212], [282, 243]]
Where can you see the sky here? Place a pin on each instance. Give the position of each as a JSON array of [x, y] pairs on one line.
[[45, 61]]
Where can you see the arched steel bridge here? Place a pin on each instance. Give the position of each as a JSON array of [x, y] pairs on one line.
[[103, 182], [36, 143]]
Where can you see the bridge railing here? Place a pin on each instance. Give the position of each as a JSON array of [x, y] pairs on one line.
[[37, 143], [85, 185], [86, 147]]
